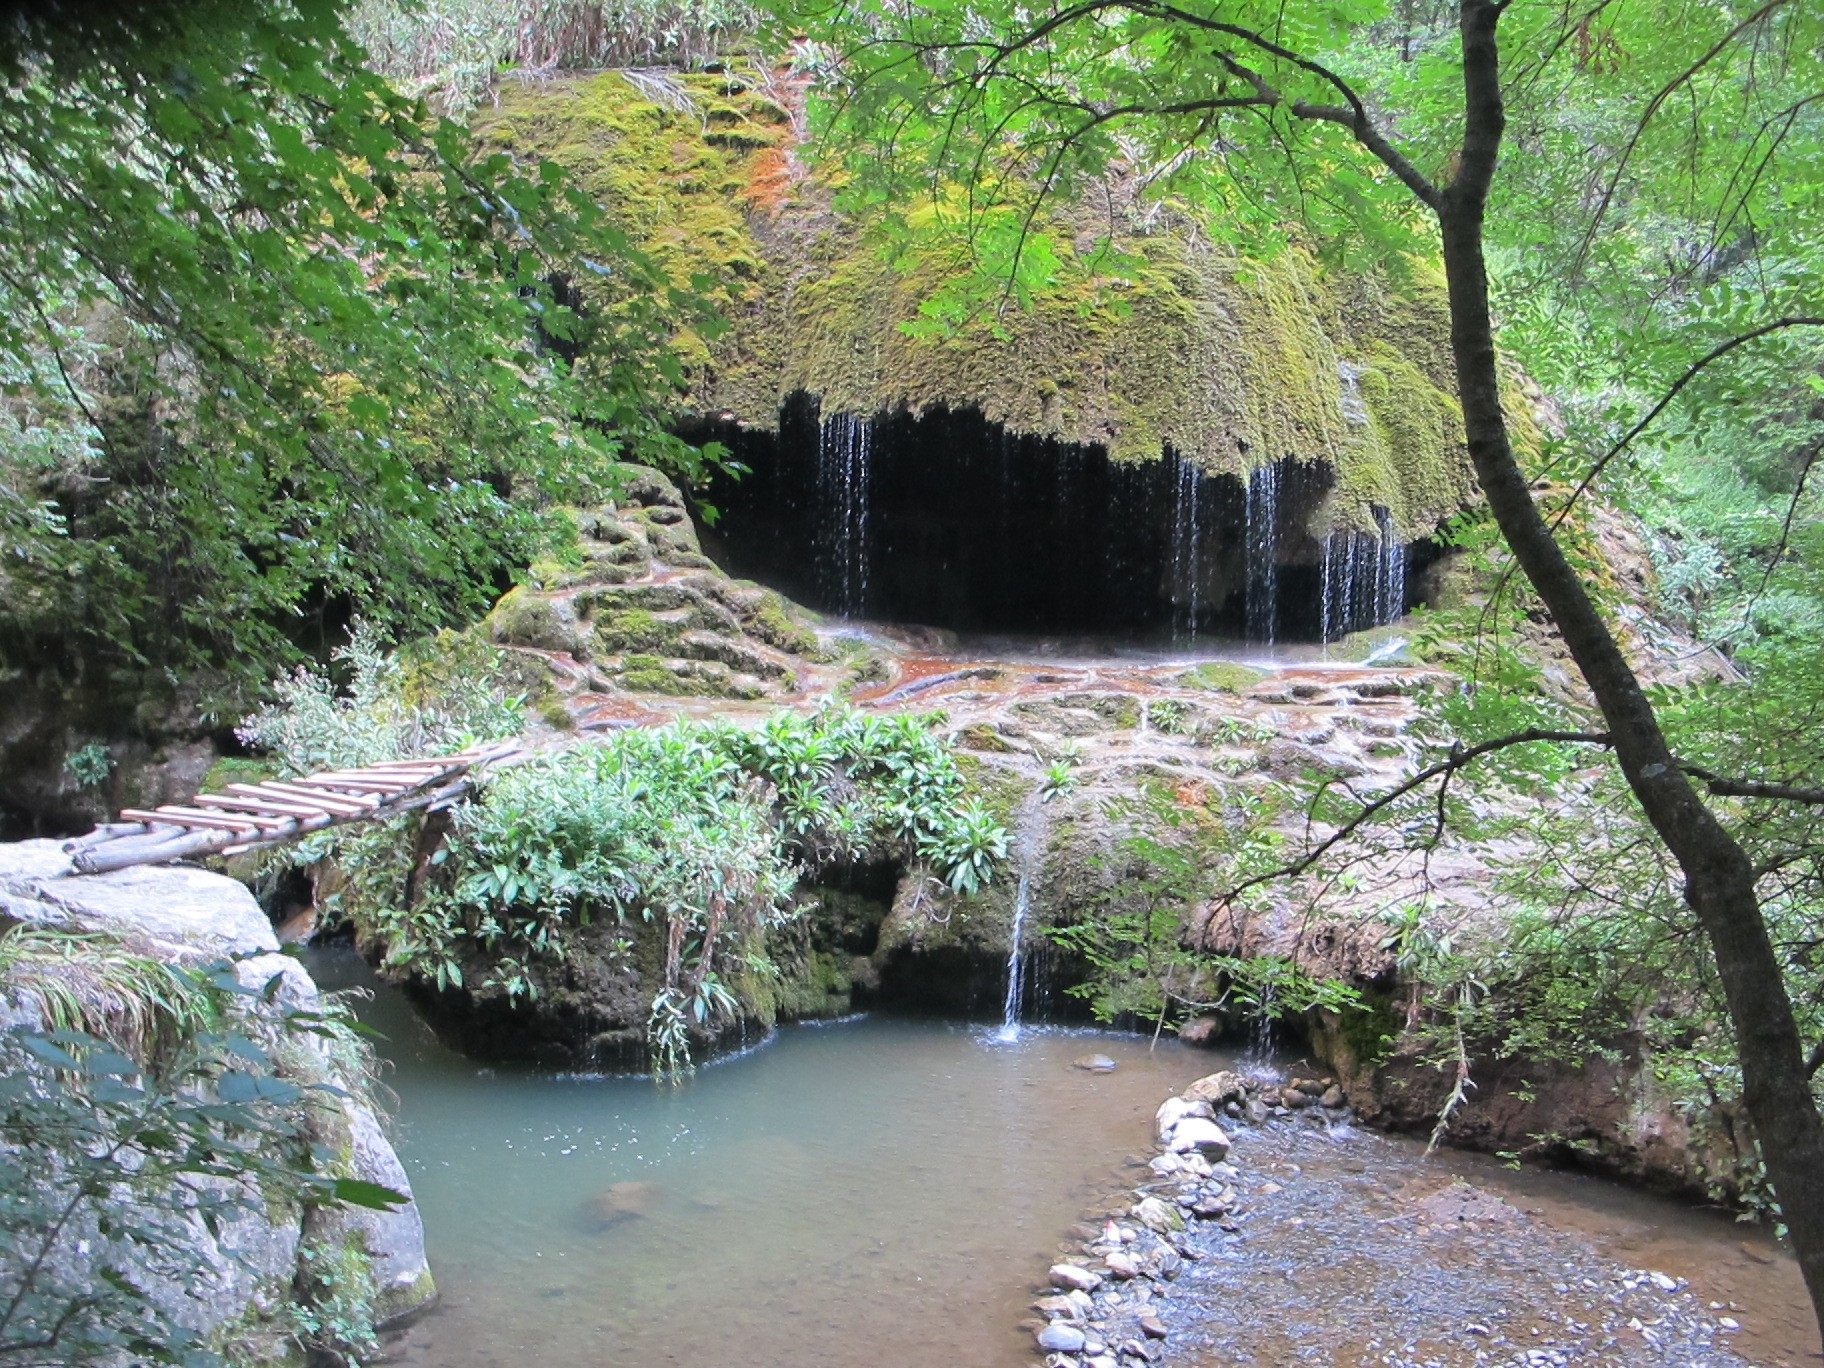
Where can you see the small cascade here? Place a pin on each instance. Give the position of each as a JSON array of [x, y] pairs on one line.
[[845, 449], [1028, 859], [1187, 546], [1262, 514], [1256, 1060]]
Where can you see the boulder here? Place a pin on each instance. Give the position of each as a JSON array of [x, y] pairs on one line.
[[1156, 1216], [246, 1267]]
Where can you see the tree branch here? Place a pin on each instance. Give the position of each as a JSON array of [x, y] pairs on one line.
[[1691, 373], [1725, 787], [1459, 758]]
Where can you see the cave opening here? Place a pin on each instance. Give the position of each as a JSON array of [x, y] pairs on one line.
[[946, 519]]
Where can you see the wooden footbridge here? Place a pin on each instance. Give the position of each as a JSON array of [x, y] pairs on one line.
[[274, 811]]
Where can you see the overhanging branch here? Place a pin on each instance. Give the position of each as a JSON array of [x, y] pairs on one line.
[[1460, 757]]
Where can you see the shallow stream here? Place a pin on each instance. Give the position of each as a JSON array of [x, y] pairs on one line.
[[884, 1192]]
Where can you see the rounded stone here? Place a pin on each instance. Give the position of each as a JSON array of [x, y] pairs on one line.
[[1062, 1339]]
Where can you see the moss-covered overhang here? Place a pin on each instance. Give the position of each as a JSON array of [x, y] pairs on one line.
[[1229, 362]]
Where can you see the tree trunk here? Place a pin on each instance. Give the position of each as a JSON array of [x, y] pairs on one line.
[[1719, 880]]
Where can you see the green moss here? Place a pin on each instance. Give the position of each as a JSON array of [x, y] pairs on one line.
[[525, 618], [1222, 676], [1187, 347], [236, 770], [982, 736], [634, 629], [769, 621]]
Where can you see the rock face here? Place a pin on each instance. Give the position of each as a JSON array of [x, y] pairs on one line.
[[1176, 356], [193, 917], [645, 611]]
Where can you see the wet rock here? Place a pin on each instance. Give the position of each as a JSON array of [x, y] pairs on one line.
[[1195, 1165], [1255, 1112], [1164, 1165], [1211, 1208], [1156, 1216], [1201, 1030], [1332, 1098], [1295, 1100], [1056, 1306], [1074, 1277], [1123, 1265], [1152, 1327], [1176, 1109], [1204, 1137], [1063, 1339], [1093, 1063], [623, 1201], [1134, 1348], [1218, 1088]]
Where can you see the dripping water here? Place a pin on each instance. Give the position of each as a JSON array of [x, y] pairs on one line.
[[1262, 532], [1187, 547], [844, 488], [1257, 1060], [1391, 571], [1363, 578]]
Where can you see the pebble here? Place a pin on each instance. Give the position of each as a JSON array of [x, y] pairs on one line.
[[1156, 1216], [1074, 1277], [1094, 1063], [1123, 1265], [1152, 1327]]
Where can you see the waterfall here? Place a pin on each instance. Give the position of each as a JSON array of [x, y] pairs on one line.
[[1263, 552], [1362, 581], [1390, 579], [1187, 545], [1256, 1059], [1028, 860], [845, 449]]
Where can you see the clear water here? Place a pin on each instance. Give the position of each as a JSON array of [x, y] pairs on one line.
[[883, 1193], [867, 1192]]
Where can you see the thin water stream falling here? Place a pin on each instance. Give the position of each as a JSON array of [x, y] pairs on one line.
[[1187, 546], [1028, 860], [1362, 578], [1263, 552], [845, 487]]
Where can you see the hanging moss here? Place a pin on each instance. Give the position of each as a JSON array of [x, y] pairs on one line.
[[1190, 348]]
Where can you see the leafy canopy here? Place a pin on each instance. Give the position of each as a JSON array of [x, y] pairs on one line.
[[278, 342]]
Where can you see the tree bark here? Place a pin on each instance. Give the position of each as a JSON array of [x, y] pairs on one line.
[[1719, 879]]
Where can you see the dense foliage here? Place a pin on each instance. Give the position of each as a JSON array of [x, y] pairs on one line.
[[281, 345], [453, 50], [693, 836], [144, 1109]]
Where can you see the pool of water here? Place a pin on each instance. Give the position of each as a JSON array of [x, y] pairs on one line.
[[872, 1191], [888, 1192]]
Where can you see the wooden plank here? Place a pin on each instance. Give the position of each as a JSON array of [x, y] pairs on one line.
[[218, 821], [310, 783], [347, 805], [300, 808], [151, 818]]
